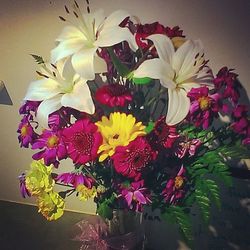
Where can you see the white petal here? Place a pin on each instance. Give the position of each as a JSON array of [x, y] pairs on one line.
[[164, 47], [70, 32], [115, 18], [178, 106], [83, 63], [156, 69], [66, 48], [42, 89], [100, 66], [79, 99], [114, 35], [46, 108]]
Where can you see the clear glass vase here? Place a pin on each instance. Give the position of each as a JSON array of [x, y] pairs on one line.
[[125, 231]]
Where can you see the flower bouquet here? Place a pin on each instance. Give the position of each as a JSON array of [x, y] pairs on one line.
[[139, 112]]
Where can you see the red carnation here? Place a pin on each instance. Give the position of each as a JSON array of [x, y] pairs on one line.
[[113, 95]]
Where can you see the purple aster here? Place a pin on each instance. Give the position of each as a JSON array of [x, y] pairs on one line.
[[75, 179], [136, 196], [204, 107], [26, 133], [23, 189], [28, 106], [53, 148]]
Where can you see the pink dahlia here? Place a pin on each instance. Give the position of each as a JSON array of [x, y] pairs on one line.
[[204, 107], [173, 190], [53, 148], [83, 141], [75, 179], [136, 195], [113, 95], [26, 132], [130, 160]]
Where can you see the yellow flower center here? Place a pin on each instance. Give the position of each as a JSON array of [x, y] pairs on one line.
[[52, 141], [204, 102], [24, 130], [178, 182]]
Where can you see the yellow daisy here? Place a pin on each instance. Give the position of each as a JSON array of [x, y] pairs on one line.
[[85, 193], [118, 130]]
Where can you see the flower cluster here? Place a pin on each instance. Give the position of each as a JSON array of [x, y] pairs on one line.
[[151, 133]]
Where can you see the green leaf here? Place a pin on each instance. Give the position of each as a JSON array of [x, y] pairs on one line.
[[104, 210], [122, 69], [141, 81], [38, 59], [203, 202], [150, 127], [213, 190]]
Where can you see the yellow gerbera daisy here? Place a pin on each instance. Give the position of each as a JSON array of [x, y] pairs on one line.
[[51, 205], [118, 130], [38, 178]]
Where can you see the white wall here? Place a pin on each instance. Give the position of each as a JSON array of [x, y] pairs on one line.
[[28, 26]]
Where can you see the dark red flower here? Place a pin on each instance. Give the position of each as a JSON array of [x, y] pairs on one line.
[[113, 95], [225, 82], [174, 32], [82, 140], [130, 160]]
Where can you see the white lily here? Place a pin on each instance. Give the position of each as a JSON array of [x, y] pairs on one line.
[[61, 86], [179, 71], [83, 41]]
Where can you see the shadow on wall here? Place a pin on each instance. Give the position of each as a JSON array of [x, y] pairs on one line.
[[228, 228], [4, 95]]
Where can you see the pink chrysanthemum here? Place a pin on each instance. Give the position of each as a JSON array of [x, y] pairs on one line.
[[26, 133], [83, 141], [187, 147], [136, 195], [75, 179], [53, 148], [23, 189], [174, 188], [113, 95], [130, 160], [204, 107]]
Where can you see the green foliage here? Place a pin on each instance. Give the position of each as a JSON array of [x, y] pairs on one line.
[[104, 208], [141, 81], [150, 127], [122, 69], [38, 59], [175, 214]]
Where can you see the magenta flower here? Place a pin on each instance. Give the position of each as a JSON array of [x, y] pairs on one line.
[[174, 188], [83, 141], [130, 160], [187, 147], [53, 148], [26, 133], [113, 95], [136, 196], [225, 82], [75, 179], [28, 106], [163, 135], [23, 189], [204, 107]]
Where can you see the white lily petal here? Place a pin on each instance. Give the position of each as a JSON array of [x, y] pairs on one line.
[[83, 63], [67, 71], [178, 106], [114, 35], [115, 19], [93, 19], [100, 66], [79, 99], [70, 32], [164, 47], [66, 48], [42, 89], [46, 108]]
